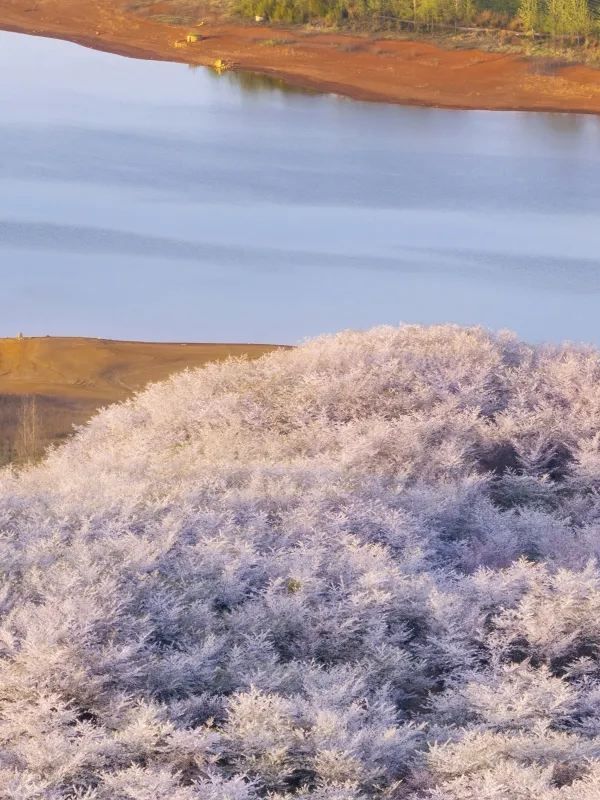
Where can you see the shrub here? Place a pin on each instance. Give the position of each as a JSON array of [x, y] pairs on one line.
[[365, 568]]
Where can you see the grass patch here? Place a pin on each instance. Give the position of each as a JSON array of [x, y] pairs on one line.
[[276, 42]]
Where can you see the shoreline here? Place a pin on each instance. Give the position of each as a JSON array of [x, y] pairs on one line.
[[366, 68]]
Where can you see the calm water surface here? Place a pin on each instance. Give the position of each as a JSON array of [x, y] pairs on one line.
[[154, 201]]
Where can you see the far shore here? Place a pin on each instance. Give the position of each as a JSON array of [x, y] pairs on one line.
[[361, 67]]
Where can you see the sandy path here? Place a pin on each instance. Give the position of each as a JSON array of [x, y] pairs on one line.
[[409, 72]]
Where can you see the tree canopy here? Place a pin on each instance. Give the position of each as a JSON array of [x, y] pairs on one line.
[[567, 19]]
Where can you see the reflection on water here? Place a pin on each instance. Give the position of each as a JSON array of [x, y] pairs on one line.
[[147, 200], [253, 82]]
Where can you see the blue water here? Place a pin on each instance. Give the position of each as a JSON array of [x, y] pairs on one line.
[[153, 201]]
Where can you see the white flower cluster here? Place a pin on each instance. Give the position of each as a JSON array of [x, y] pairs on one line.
[[364, 568]]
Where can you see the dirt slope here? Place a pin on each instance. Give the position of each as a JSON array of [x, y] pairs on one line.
[[71, 378], [364, 68]]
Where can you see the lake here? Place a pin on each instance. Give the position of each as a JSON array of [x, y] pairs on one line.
[[154, 201]]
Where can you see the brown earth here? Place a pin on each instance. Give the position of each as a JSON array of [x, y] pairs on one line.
[[367, 68], [70, 378]]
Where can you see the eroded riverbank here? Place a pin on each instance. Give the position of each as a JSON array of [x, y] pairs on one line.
[[395, 71]]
